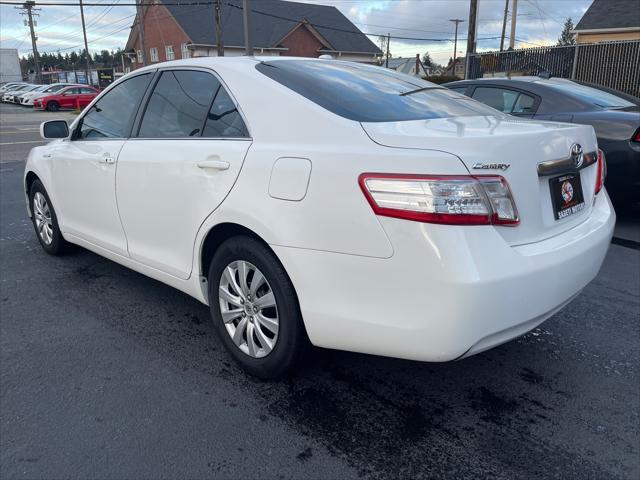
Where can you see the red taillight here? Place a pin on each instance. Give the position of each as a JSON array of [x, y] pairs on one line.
[[602, 171], [451, 199]]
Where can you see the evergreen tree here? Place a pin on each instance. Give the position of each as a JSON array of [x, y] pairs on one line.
[[566, 37], [426, 60]]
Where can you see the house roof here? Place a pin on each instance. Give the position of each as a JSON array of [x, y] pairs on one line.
[[404, 65], [606, 14], [271, 21]]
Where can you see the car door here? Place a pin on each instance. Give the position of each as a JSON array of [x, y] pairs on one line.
[[507, 100], [68, 98], [84, 167], [86, 96], [189, 147]]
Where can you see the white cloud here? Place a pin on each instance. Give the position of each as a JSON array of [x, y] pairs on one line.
[[539, 22]]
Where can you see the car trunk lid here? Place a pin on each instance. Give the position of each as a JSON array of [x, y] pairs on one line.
[[512, 148]]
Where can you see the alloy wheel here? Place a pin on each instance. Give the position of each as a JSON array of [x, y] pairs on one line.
[[248, 308], [42, 215]]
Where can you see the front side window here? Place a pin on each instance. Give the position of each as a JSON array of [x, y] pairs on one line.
[[153, 54], [168, 50], [366, 93], [178, 105], [112, 114]]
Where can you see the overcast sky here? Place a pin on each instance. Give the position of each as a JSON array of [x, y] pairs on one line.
[[539, 23]]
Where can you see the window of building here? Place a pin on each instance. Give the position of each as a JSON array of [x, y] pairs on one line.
[[168, 50], [112, 115], [178, 105], [185, 50], [153, 54], [139, 53]]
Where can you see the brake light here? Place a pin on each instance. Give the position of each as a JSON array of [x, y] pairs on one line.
[[602, 171], [451, 200], [636, 136]]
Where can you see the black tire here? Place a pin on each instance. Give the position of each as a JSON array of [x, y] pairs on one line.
[[292, 338], [58, 244], [53, 106]]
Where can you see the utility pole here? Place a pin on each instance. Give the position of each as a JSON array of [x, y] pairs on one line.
[[219, 44], [504, 24], [86, 46], [141, 32], [388, 42], [473, 27], [455, 42], [514, 15], [246, 10], [28, 10]]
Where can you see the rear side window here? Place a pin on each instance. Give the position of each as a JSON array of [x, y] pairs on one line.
[[179, 104], [111, 115], [188, 103], [460, 90], [223, 119], [504, 99], [367, 93]]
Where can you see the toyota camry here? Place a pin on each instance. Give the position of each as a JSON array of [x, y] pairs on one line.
[[341, 204]]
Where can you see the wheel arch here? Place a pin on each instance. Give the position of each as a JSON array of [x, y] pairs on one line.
[[29, 178], [216, 236]]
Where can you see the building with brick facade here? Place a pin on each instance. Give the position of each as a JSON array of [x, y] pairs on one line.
[[279, 27]]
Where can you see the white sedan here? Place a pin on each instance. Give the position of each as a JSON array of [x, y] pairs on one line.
[[332, 202]]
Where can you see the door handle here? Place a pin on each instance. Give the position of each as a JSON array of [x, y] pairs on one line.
[[214, 165], [107, 158]]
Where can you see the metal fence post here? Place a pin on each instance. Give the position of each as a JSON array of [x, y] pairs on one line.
[[574, 67]]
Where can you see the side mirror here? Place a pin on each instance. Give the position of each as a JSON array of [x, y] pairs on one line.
[[54, 129]]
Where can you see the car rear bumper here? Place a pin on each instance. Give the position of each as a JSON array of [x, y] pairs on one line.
[[447, 292]]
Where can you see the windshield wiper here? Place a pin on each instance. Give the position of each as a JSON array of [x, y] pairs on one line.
[[421, 89]]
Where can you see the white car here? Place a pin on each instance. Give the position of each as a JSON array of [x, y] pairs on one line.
[[8, 94], [10, 85], [28, 98], [346, 204]]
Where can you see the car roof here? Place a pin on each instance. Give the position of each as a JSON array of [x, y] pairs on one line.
[[515, 79], [230, 62]]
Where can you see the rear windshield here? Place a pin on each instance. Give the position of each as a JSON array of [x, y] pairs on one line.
[[367, 93], [591, 95]]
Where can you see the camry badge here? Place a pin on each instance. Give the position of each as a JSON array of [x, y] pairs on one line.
[[576, 155], [491, 166]]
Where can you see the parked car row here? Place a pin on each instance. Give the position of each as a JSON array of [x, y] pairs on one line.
[[52, 97], [615, 117]]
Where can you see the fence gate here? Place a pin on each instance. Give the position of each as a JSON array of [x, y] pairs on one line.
[[610, 64]]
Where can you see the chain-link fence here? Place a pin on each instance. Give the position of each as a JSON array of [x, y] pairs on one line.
[[610, 64]]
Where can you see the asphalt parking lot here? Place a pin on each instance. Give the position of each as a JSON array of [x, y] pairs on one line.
[[105, 373]]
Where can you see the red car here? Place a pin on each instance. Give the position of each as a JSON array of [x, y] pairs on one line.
[[67, 98]]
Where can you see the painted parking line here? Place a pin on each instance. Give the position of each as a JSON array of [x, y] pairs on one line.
[[30, 141], [22, 130]]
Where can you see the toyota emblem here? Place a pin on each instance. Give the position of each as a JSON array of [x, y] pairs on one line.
[[576, 155]]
